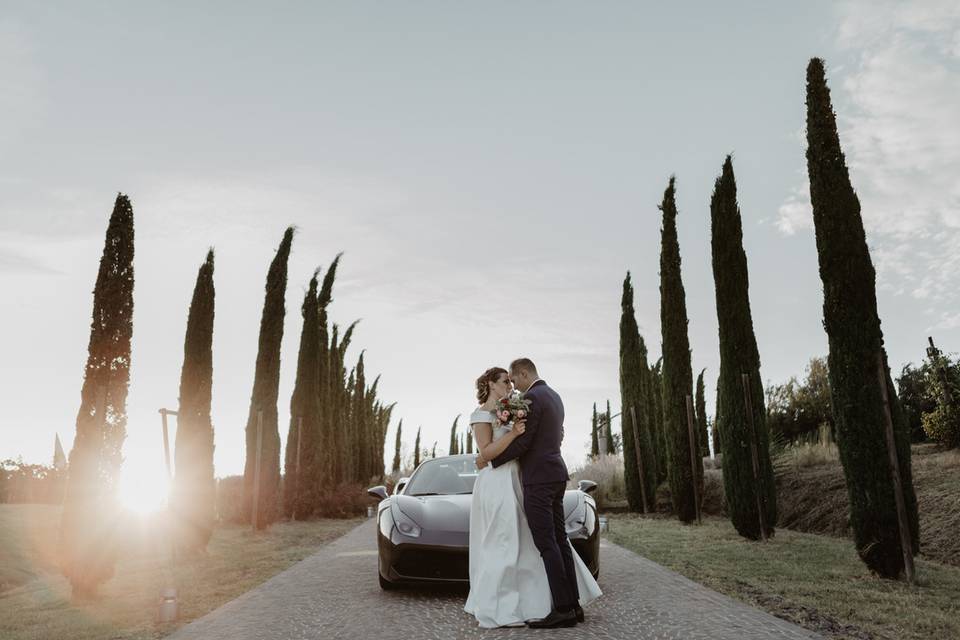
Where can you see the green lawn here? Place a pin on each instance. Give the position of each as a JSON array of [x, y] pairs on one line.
[[815, 581], [35, 598]]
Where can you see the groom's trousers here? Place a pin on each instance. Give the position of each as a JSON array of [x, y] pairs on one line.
[[543, 504]]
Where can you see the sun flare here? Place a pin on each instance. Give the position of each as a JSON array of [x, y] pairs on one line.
[[143, 489]]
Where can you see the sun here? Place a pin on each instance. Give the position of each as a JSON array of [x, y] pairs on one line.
[[143, 489]]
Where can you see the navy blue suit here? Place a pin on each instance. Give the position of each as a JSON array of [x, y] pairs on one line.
[[544, 476]]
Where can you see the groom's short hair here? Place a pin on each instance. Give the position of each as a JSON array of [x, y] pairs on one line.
[[523, 364]]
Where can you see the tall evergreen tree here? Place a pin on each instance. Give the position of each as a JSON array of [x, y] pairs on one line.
[[454, 450], [359, 430], [469, 440], [396, 452], [304, 433], [655, 407], [635, 437], [608, 430], [416, 450], [266, 386], [677, 375], [594, 436], [87, 548], [701, 412], [856, 341], [739, 355], [327, 459], [193, 495]]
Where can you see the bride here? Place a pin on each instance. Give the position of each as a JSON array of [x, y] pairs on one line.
[[508, 581]]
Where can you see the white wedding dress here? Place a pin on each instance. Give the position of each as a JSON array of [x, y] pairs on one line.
[[508, 582]]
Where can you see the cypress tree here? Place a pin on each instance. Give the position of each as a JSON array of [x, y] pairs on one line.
[[469, 440], [299, 489], [594, 436], [655, 407], [193, 495], [359, 430], [87, 548], [433, 453], [856, 341], [396, 451], [416, 450], [677, 378], [266, 384], [701, 412], [453, 436], [739, 355], [608, 430], [328, 462], [633, 362], [334, 412]]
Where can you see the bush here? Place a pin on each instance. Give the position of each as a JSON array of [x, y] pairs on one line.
[[607, 471], [347, 500], [943, 425]]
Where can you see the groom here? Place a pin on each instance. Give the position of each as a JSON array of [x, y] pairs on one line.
[[544, 477]]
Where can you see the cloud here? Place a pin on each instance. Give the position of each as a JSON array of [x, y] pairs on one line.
[[896, 104]]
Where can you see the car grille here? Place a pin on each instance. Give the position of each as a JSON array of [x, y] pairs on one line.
[[433, 564]]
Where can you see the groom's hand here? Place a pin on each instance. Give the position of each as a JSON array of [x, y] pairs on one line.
[[481, 463]]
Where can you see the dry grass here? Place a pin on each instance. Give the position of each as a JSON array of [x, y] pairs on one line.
[[607, 471], [814, 499], [815, 581], [34, 602]]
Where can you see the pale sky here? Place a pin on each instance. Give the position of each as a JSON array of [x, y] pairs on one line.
[[491, 171]]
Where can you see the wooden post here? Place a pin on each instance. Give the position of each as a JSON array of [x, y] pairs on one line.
[[934, 354], [906, 540], [636, 449], [296, 495], [754, 455], [602, 434], [166, 441], [693, 456], [256, 471]]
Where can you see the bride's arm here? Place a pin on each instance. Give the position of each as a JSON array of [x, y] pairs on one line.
[[486, 446]]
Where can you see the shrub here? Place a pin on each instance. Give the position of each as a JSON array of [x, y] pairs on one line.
[[607, 471], [943, 425]]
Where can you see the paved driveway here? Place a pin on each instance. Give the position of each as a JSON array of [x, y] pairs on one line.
[[334, 594]]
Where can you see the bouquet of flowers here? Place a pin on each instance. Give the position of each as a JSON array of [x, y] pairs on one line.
[[512, 408]]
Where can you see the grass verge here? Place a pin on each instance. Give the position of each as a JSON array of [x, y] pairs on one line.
[[36, 603], [815, 581]]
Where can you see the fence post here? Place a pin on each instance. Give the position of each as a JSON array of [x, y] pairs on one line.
[[256, 471], [636, 449], [693, 457], [906, 541]]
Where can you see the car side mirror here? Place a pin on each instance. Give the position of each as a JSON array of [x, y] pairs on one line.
[[587, 486], [401, 483], [379, 492]]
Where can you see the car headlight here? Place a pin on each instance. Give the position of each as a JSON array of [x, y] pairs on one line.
[[405, 523]]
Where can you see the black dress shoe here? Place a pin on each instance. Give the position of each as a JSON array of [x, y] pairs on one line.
[[555, 619], [578, 610]]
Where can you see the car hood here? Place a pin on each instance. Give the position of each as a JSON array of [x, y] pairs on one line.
[[437, 513]]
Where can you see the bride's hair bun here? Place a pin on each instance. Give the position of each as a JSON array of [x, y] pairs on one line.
[[483, 382]]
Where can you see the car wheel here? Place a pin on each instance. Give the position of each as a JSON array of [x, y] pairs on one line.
[[385, 584]]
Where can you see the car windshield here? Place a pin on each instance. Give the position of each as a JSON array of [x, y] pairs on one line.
[[443, 477]]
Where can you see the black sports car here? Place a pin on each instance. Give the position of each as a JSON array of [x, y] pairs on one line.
[[424, 527]]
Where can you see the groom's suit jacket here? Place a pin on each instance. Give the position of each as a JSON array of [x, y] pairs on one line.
[[539, 447]]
